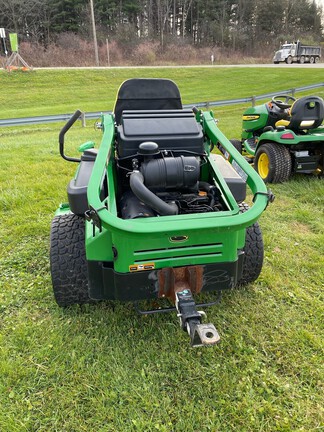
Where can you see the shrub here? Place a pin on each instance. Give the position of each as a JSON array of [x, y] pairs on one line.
[[70, 49], [145, 53]]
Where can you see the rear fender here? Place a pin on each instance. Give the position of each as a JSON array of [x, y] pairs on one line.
[[288, 137]]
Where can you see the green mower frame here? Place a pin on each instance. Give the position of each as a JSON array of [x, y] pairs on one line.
[[153, 214], [284, 136]]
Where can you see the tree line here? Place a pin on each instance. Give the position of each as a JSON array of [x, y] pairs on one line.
[[243, 25]]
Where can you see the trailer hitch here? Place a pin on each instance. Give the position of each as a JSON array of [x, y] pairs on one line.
[[191, 321]]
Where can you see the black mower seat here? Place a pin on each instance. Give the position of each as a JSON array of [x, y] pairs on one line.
[[147, 94], [306, 113]]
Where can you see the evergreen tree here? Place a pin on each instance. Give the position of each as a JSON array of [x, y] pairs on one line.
[[67, 15]]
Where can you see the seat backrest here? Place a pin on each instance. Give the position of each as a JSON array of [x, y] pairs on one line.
[[147, 94], [307, 113]]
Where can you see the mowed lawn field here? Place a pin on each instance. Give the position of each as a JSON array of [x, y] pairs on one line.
[[105, 368]]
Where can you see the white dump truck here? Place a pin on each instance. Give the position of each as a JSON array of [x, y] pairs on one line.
[[296, 52]]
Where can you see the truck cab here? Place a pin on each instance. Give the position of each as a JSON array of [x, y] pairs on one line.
[[284, 52]]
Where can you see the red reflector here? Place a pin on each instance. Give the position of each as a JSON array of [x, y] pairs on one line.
[[287, 135]]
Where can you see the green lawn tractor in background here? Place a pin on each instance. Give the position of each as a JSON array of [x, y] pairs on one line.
[[153, 214], [284, 136]]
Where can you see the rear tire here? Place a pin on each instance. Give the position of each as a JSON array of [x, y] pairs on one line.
[[68, 260], [311, 60], [253, 252], [273, 163], [237, 144], [302, 60]]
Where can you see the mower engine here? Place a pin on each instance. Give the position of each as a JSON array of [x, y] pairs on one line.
[[161, 177], [161, 184]]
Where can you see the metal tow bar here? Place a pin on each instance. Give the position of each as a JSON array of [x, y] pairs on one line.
[[191, 321]]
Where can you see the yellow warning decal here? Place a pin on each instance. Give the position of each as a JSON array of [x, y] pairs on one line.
[[141, 267], [251, 117]]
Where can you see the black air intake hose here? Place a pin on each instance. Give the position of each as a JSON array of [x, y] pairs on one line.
[[137, 185]]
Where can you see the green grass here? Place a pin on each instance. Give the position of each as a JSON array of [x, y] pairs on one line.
[[57, 92], [103, 367]]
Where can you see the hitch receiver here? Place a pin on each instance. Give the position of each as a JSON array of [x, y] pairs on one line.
[[190, 321]]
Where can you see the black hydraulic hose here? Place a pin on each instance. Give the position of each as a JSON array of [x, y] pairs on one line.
[[144, 194]]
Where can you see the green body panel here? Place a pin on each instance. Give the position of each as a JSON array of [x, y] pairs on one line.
[[258, 120], [209, 237], [203, 246], [314, 135], [98, 245]]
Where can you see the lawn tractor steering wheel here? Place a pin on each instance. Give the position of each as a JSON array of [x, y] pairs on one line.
[[282, 101]]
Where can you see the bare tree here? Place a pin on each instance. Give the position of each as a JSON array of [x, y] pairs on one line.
[[163, 9]]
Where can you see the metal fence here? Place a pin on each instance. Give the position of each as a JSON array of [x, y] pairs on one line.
[[94, 115]]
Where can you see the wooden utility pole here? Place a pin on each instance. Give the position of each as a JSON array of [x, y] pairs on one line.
[[108, 56], [94, 33]]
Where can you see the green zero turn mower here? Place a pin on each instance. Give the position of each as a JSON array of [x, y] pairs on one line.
[[153, 214], [284, 136]]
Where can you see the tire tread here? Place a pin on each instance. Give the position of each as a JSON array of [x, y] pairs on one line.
[[68, 260], [253, 251], [279, 160]]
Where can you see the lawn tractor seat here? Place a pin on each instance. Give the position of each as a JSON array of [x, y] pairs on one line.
[[147, 94], [306, 113]]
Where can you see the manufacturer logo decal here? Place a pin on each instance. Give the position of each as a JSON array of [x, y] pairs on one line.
[[251, 117], [141, 267]]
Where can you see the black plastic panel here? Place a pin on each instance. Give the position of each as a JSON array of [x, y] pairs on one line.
[[106, 284], [175, 130], [234, 181]]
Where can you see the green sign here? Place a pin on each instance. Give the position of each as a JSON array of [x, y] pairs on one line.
[[13, 42]]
